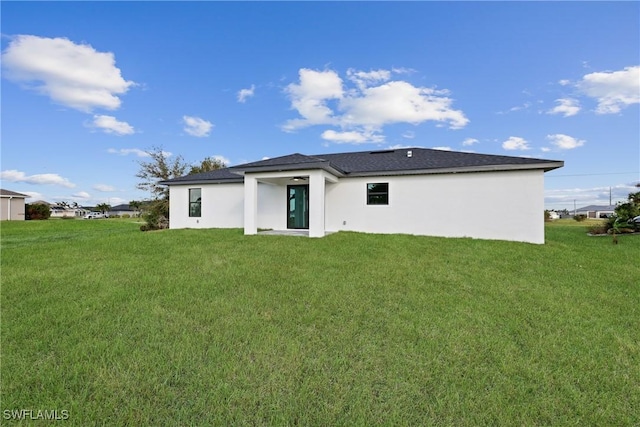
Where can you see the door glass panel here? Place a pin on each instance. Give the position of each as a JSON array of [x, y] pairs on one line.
[[298, 206]]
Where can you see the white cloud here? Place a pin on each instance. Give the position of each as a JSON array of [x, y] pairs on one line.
[[564, 82], [402, 146], [33, 195], [409, 134], [81, 195], [545, 149], [110, 124], [364, 79], [104, 188], [520, 107], [399, 102], [138, 152], [351, 137], [441, 148], [565, 142], [403, 70], [469, 141], [321, 98], [74, 75], [566, 106], [243, 94], [115, 201], [309, 98], [195, 126], [45, 178], [613, 90], [222, 159], [515, 143], [127, 151]]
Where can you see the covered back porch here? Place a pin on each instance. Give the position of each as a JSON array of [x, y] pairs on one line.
[[292, 201]]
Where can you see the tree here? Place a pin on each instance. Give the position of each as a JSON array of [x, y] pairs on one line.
[[159, 168], [207, 165], [103, 207], [630, 209], [135, 205], [37, 211]]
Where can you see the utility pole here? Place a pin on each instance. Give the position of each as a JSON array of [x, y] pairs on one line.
[[609, 196]]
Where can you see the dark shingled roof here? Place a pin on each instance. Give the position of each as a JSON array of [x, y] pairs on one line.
[[4, 192], [598, 208], [219, 175], [423, 159], [383, 162], [291, 159]]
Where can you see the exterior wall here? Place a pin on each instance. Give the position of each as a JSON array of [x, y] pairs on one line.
[[487, 205], [223, 206], [272, 206], [12, 209]]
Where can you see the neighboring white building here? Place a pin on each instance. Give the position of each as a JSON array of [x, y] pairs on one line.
[[412, 191], [597, 211], [59, 211], [12, 205]]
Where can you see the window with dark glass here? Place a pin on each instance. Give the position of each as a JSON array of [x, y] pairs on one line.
[[195, 202], [378, 193]]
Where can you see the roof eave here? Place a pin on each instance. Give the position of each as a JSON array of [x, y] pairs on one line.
[[547, 166], [203, 181], [326, 166]]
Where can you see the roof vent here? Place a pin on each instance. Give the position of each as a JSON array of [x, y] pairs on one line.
[[409, 153]]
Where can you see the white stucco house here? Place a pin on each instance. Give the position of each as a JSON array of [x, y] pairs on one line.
[[12, 205], [413, 191], [597, 211]]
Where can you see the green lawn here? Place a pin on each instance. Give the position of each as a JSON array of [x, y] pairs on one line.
[[209, 327]]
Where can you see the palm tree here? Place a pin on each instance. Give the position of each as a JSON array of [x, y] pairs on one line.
[[103, 207], [136, 206]]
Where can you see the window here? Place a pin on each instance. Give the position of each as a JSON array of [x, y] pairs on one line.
[[378, 193], [194, 202]]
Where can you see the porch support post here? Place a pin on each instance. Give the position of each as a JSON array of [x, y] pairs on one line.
[[316, 204], [250, 205]]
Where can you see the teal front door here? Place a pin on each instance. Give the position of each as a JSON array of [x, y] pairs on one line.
[[298, 206]]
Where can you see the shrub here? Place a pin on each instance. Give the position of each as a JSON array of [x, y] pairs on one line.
[[580, 217], [126, 216], [157, 216], [630, 209], [598, 229], [37, 211]]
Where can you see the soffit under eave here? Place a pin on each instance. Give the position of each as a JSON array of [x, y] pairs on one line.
[[545, 167]]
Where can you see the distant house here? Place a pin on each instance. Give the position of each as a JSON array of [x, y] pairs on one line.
[[122, 210], [413, 191], [58, 211], [12, 205], [597, 211]]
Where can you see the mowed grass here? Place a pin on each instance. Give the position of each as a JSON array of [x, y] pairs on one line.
[[210, 327]]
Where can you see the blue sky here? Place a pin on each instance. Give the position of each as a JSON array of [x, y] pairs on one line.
[[88, 87]]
